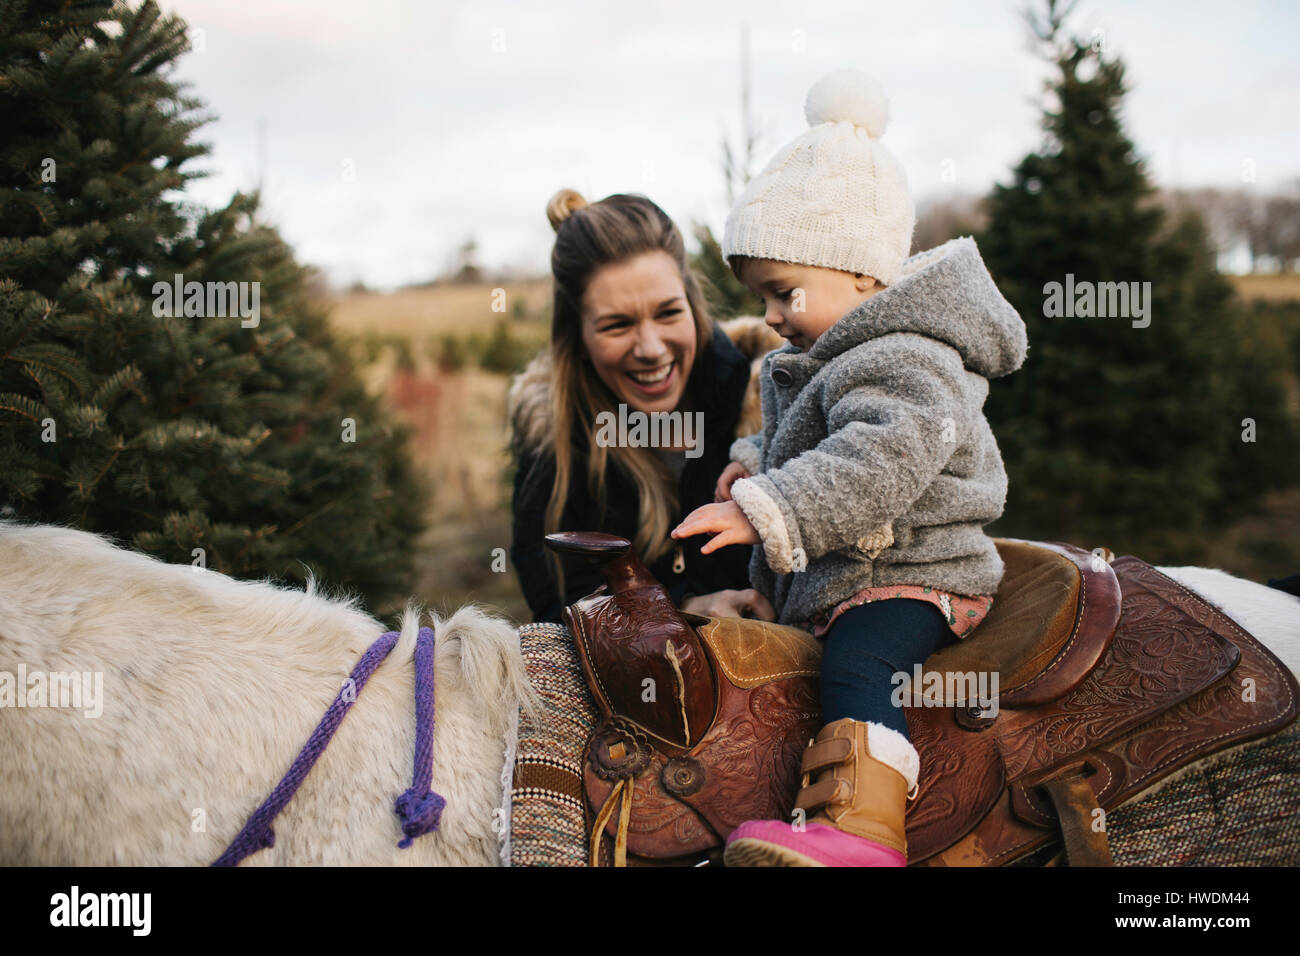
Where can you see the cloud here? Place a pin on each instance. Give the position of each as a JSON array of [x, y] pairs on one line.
[[394, 130]]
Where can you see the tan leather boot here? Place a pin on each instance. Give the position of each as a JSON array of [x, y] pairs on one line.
[[860, 799], [855, 791]]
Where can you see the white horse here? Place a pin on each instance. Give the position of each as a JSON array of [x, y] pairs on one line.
[[208, 687]]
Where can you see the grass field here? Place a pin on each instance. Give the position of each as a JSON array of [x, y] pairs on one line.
[[426, 350], [458, 414], [1270, 288], [429, 312]]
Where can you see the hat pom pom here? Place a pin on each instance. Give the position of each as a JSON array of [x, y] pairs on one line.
[[850, 95]]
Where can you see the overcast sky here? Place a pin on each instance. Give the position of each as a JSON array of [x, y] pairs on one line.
[[396, 129]]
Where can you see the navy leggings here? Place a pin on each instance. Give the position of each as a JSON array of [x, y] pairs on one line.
[[863, 650]]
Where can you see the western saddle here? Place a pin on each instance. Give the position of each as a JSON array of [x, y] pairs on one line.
[[1110, 676]]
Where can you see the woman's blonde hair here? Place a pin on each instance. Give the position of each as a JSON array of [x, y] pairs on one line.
[[588, 236]]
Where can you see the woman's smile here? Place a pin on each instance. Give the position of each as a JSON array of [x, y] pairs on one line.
[[655, 381]]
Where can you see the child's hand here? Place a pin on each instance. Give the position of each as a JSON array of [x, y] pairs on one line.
[[730, 475], [725, 521]]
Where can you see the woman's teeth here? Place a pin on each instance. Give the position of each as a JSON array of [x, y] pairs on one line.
[[652, 377]]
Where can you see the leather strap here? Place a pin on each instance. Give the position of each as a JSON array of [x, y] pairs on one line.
[[623, 788], [826, 754], [821, 793], [1076, 807], [624, 818]]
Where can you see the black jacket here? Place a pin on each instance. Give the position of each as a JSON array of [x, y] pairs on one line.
[[720, 390]]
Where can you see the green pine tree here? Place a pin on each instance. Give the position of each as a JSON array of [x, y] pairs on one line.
[[726, 295], [1116, 435], [193, 437]]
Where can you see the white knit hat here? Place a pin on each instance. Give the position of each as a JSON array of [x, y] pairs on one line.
[[834, 197]]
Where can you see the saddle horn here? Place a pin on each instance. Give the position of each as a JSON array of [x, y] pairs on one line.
[[642, 658], [613, 556]]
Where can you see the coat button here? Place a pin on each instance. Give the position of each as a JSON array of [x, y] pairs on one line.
[[782, 377]]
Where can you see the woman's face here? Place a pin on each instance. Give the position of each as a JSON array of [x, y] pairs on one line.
[[639, 332]]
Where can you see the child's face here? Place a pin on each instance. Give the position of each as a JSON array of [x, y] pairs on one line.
[[802, 302]]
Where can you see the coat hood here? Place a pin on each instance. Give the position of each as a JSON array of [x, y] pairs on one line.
[[947, 294]]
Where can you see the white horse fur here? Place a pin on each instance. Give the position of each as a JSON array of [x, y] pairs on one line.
[[211, 686]]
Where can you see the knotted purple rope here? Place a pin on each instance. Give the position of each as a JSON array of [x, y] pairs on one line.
[[419, 807], [257, 833]]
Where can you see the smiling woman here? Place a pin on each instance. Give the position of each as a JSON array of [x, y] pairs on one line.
[[631, 336], [641, 346]]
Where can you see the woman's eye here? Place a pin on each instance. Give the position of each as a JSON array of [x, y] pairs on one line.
[[622, 324]]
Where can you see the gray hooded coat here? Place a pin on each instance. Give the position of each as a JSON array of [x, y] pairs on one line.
[[876, 465]]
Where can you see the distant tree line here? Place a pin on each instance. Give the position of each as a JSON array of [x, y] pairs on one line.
[[1266, 225]]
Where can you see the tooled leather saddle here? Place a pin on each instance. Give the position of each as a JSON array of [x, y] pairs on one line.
[[1110, 677]]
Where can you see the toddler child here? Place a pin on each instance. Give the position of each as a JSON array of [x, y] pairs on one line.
[[870, 484]]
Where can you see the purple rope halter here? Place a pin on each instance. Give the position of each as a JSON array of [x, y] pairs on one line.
[[420, 808]]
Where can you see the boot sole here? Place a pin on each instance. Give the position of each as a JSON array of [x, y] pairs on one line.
[[751, 852]]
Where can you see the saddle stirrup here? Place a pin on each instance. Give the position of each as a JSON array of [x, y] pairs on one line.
[[1076, 811]]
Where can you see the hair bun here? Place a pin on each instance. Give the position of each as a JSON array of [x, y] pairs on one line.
[[563, 205]]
